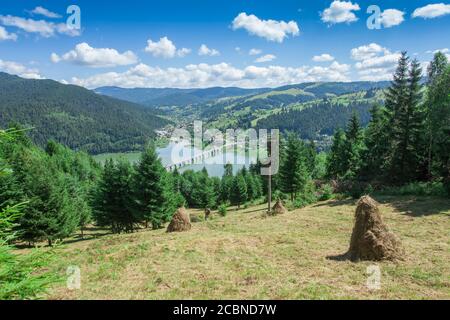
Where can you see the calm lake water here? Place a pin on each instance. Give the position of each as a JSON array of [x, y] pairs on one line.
[[213, 165]]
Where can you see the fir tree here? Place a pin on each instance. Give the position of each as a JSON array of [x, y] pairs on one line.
[[238, 191], [153, 190]]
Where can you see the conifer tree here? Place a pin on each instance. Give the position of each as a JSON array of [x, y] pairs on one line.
[[294, 169], [114, 205], [153, 190], [238, 191]]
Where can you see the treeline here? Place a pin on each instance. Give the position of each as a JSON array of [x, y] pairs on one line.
[[407, 139]]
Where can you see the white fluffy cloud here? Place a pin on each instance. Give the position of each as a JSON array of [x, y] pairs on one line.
[[340, 12], [391, 17], [5, 35], [44, 28], [325, 57], [432, 11], [205, 51], [165, 48], [45, 12], [374, 62], [19, 69], [271, 30], [265, 58], [84, 54], [222, 74], [254, 52]]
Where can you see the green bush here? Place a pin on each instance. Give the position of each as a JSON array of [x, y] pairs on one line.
[[326, 192], [223, 210]]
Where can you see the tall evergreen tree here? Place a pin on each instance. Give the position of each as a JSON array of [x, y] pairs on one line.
[[153, 189], [114, 205], [238, 191], [406, 155], [337, 162], [294, 168]]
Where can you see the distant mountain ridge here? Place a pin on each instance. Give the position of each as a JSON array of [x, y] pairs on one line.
[[159, 97], [172, 96], [75, 116]]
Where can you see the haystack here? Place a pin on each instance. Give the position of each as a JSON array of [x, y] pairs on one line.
[[371, 238], [278, 208], [180, 221]]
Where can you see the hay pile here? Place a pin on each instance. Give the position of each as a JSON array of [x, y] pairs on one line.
[[180, 221], [371, 239], [278, 208]]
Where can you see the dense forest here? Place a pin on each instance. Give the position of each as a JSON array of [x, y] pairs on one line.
[[74, 116], [323, 117]]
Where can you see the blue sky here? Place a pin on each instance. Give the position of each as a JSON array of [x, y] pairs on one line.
[[157, 43]]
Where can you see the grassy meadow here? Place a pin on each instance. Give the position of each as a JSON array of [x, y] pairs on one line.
[[247, 255]]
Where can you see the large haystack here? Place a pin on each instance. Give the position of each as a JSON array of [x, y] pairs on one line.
[[278, 208], [180, 221], [371, 239]]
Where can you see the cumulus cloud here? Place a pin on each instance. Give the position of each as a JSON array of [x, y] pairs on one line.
[[19, 69], [374, 62], [325, 57], [165, 48], [271, 30], [205, 51], [84, 54], [45, 12], [391, 17], [265, 58], [340, 12], [44, 28], [432, 11], [254, 52], [222, 74], [5, 35]]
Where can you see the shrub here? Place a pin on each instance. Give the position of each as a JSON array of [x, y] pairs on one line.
[[326, 192], [223, 210]]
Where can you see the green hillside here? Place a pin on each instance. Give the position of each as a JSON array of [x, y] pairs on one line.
[[74, 116]]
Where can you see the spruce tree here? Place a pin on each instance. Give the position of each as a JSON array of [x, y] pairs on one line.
[[114, 205], [294, 168], [407, 119], [337, 162], [238, 191], [153, 190], [353, 147]]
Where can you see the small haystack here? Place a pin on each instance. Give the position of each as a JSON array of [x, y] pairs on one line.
[[371, 239], [207, 213], [180, 221], [278, 208]]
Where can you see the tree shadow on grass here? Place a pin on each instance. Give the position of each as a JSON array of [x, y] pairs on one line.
[[336, 203], [417, 206]]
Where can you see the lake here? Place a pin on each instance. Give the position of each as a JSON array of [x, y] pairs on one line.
[[213, 165]]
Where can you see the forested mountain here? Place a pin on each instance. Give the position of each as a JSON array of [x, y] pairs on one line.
[[74, 116], [156, 97]]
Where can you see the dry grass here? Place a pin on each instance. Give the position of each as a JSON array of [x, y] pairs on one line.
[[248, 256]]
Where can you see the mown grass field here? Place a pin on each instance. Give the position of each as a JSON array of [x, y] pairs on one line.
[[248, 256]]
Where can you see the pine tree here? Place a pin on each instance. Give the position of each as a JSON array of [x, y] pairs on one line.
[[337, 162], [353, 147], [238, 191], [114, 205], [407, 119], [434, 116], [375, 145], [153, 190], [205, 189], [294, 168]]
